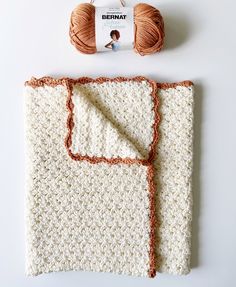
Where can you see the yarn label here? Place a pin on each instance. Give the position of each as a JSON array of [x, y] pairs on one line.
[[114, 28]]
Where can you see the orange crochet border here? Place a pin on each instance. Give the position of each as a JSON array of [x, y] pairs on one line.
[[149, 162]]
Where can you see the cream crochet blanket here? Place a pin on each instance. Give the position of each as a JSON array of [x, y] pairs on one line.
[[108, 182]]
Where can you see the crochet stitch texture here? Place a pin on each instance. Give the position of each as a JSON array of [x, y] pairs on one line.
[[85, 215]]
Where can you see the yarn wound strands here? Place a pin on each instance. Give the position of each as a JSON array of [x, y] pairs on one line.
[[146, 41]]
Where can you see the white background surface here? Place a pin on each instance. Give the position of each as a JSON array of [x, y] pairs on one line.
[[200, 46]]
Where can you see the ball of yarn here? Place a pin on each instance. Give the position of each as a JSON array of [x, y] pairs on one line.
[[148, 29]]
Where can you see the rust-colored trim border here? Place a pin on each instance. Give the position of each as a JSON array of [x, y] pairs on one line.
[[165, 86], [152, 202], [49, 81], [149, 162]]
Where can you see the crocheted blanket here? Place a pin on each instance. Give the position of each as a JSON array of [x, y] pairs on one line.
[[108, 182]]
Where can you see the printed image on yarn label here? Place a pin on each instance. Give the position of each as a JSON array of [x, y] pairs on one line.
[[114, 28]]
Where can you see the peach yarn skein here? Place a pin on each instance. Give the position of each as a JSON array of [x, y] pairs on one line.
[[148, 29]]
